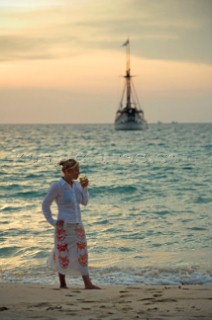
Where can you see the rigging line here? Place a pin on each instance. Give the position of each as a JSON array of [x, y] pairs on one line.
[[134, 91], [122, 97]]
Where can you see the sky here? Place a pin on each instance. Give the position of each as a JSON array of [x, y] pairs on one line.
[[62, 61]]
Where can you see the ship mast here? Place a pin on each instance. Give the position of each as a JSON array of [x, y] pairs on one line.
[[132, 101], [128, 75]]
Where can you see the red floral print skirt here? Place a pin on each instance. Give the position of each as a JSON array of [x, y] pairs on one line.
[[70, 253]]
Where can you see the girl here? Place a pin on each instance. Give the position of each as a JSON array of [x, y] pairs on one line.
[[70, 250]]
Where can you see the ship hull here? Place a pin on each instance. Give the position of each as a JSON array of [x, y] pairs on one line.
[[129, 126], [124, 122]]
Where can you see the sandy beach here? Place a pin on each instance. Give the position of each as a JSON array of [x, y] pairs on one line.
[[26, 301]]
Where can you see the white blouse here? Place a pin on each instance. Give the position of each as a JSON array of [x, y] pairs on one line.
[[68, 198]]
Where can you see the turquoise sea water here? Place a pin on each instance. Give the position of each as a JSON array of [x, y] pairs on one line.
[[149, 216]]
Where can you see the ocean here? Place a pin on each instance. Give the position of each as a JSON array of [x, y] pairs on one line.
[[148, 220]]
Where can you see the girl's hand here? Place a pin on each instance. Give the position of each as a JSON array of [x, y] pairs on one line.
[[84, 181], [60, 223]]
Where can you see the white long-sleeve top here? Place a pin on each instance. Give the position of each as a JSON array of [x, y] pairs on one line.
[[68, 198]]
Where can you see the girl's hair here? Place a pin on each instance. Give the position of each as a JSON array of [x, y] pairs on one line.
[[68, 164]]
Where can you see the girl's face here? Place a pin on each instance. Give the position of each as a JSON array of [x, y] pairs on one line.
[[73, 173]]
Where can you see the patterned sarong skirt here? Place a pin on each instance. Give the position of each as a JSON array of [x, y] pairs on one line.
[[70, 253]]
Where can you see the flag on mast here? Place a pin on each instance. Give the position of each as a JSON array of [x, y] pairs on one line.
[[126, 43]]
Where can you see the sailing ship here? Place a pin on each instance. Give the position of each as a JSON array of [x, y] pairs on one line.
[[129, 115]]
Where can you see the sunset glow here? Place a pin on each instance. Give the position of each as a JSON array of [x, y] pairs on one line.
[[71, 53]]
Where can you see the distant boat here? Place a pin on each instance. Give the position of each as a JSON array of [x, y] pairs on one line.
[[129, 116]]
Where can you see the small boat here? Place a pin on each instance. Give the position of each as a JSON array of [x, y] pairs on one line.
[[129, 116]]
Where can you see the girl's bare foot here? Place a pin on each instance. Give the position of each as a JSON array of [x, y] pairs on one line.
[[88, 283], [91, 286], [63, 287]]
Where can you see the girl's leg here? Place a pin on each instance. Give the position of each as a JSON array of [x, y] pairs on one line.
[[62, 281], [81, 245]]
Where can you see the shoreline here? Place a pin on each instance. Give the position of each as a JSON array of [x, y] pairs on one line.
[[28, 301]]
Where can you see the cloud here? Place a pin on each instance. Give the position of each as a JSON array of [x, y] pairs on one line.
[[162, 29], [26, 4], [14, 48]]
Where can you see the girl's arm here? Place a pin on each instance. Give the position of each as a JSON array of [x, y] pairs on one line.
[[46, 204]]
